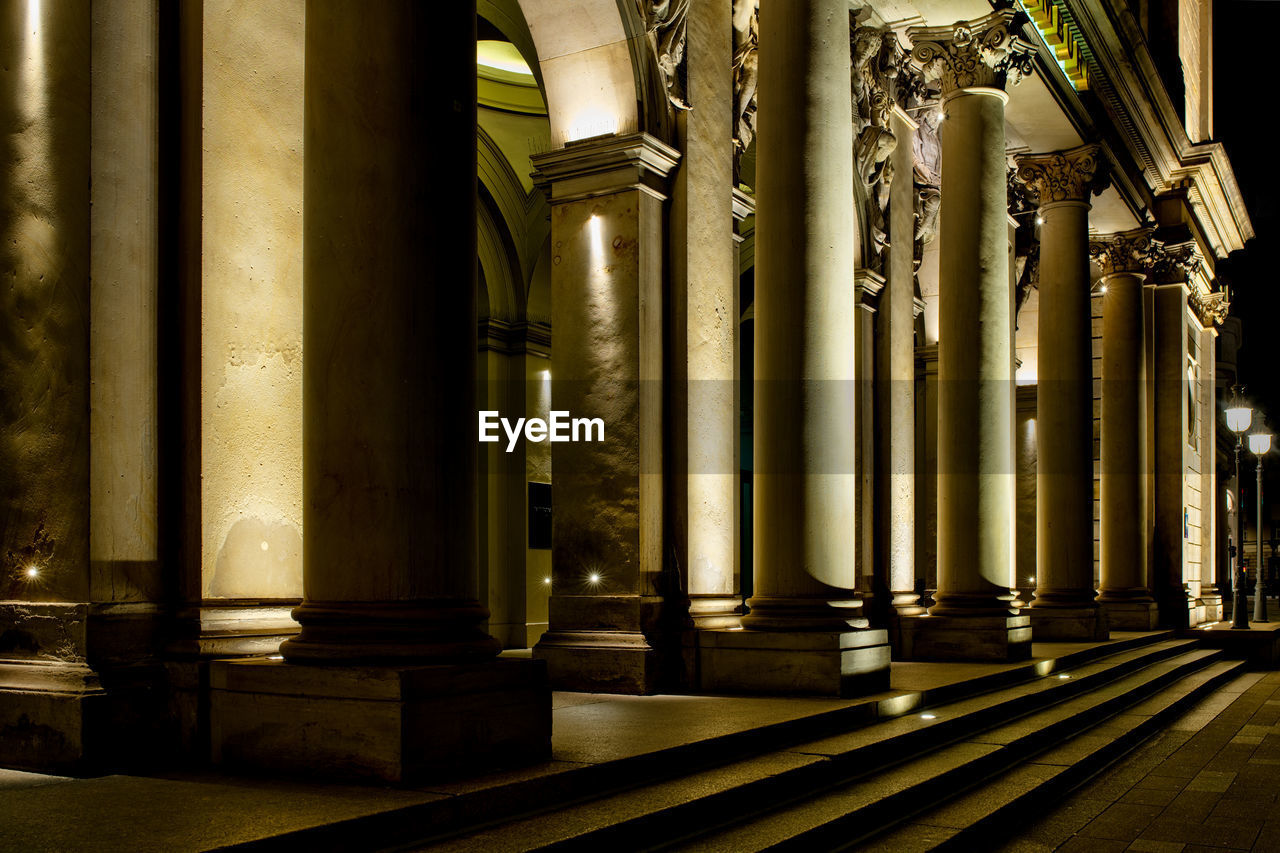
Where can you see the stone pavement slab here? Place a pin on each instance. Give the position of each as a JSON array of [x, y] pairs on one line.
[[1211, 781]]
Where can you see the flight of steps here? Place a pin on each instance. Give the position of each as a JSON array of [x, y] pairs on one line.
[[953, 775]]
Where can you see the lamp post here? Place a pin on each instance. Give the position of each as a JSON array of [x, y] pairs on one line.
[[1259, 444], [1239, 416]]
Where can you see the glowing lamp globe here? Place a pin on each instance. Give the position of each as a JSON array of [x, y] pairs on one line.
[[1239, 418], [1260, 443]]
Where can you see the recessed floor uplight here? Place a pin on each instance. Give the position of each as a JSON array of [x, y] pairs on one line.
[[928, 716], [275, 657], [1064, 675]]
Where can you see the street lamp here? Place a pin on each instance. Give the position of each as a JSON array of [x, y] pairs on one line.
[[1259, 444], [1239, 416]]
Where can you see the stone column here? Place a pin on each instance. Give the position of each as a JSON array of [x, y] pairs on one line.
[[607, 628], [390, 617], [704, 327], [1169, 557], [895, 400], [1064, 606], [1124, 593], [870, 285], [973, 617], [805, 632], [1210, 596]]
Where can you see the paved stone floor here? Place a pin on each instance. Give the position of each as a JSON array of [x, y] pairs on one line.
[[1208, 782]]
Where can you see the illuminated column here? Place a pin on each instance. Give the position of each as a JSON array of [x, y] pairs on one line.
[[896, 368], [704, 325], [390, 439], [607, 220], [1064, 606], [1210, 596], [973, 617], [804, 632], [390, 573], [1124, 593], [1169, 560]]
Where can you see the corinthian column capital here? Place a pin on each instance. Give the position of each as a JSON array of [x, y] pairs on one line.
[[983, 52], [1072, 175], [1128, 252]]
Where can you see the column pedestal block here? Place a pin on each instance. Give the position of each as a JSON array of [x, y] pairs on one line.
[[966, 638], [600, 661], [390, 723], [1132, 615], [1088, 623], [821, 663], [1212, 602]]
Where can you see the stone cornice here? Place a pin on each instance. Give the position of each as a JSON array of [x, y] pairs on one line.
[[984, 52], [1072, 175], [1150, 128], [1129, 252], [605, 164]]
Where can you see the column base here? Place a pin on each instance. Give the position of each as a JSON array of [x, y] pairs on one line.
[[1087, 623], [966, 638], [391, 723], [806, 663], [1212, 601], [600, 661], [710, 613], [1131, 615]]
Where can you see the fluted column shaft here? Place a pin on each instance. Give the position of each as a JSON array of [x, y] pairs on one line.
[[805, 310], [389, 449]]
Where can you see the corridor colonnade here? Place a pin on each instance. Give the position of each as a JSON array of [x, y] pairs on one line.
[[392, 671]]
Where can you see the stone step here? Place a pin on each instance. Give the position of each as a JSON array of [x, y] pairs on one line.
[[720, 795], [467, 806], [982, 816], [880, 799]]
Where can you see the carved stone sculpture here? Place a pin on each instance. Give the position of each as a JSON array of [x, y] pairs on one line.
[[983, 52], [746, 48], [1072, 175], [665, 21], [1133, 251]]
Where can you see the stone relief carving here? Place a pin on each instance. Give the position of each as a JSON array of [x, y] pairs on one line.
[[927, 177], [1210, 308], [1072, 175], [746, 46], [983, 52], [877, 63], [1026, 241], [665, 22]]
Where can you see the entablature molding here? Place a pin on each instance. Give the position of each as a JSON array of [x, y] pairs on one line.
[[603, 165], [1148, 125]]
